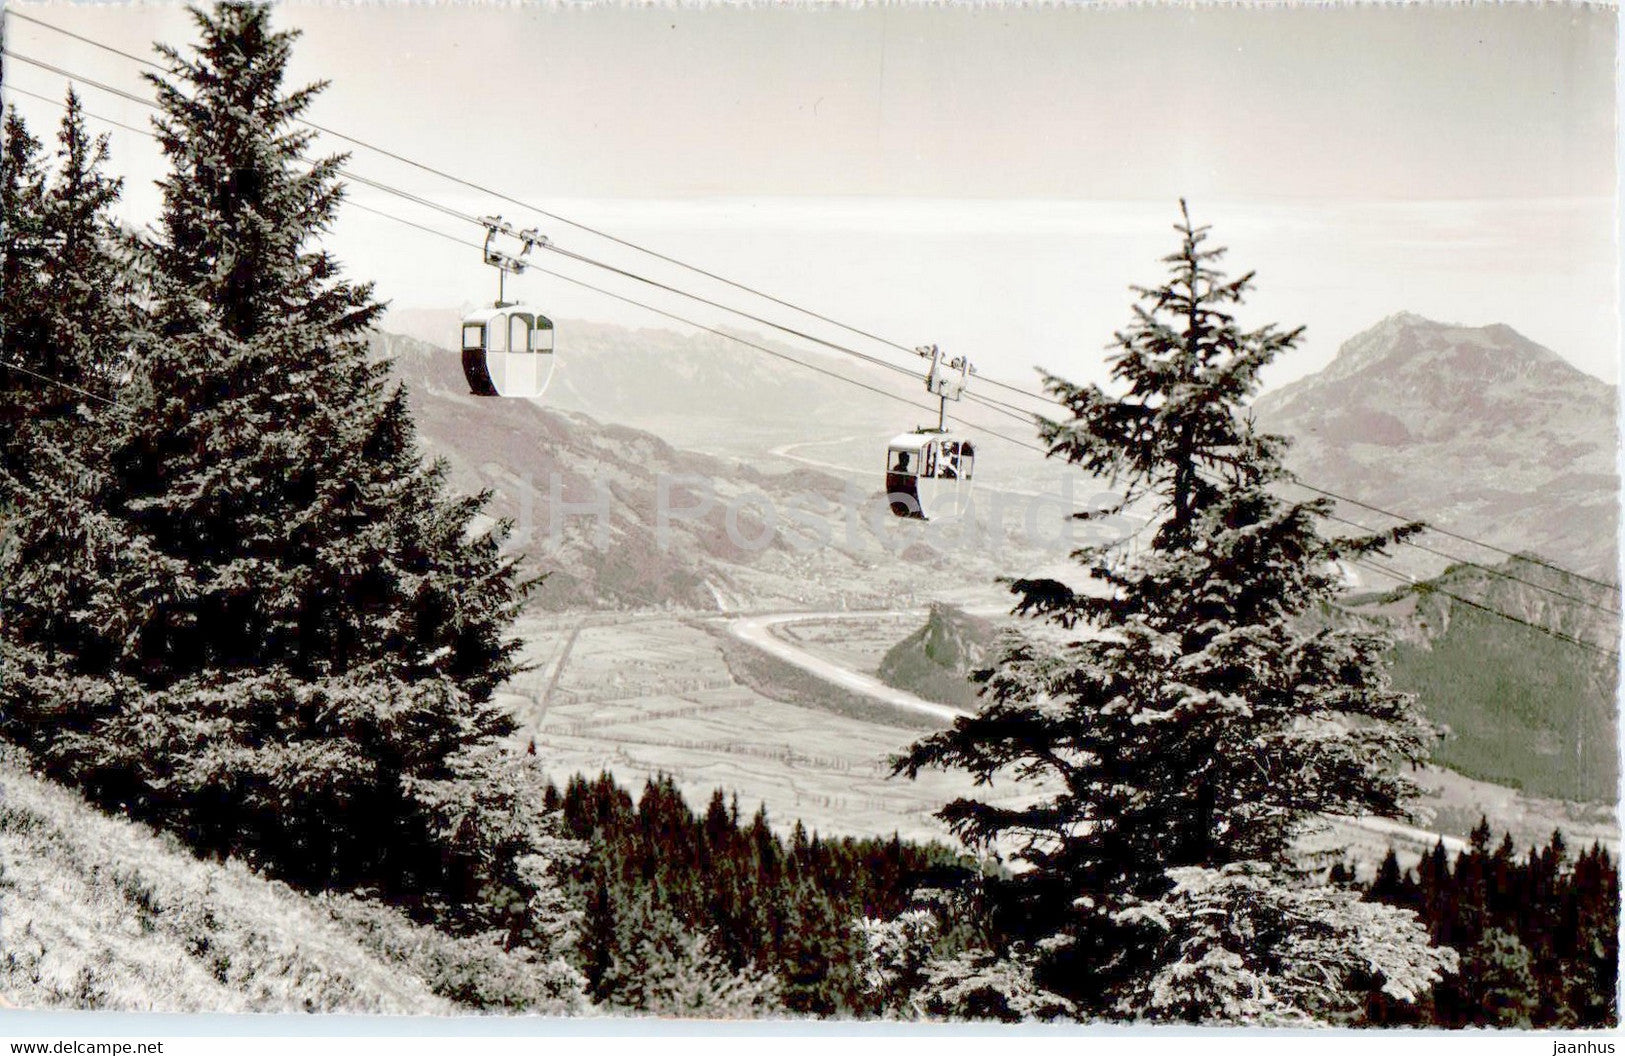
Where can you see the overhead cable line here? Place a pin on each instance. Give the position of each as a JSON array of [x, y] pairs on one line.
[[470, 218], [9, 87], [475, 245], [560, 218], [670, 315], [697, 270], [625, 273], [69, 75], [998, 406], [1457, 535], [1491, 569], [1368, 563], [1365, 562]]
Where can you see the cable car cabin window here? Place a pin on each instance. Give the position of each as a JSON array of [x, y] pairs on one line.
[[949, 470], [542, 339], [496, 334], [967, 459], [904, 462], [930, 454], [473, 335], [518, 333]]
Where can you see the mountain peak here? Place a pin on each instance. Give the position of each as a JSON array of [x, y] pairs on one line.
[[1407, 319], [1468, 357], [1474, 427]]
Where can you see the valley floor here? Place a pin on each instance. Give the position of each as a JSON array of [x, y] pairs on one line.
[[646, 694], [639, 694]]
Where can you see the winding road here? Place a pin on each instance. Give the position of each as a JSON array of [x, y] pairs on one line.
[[758, 631]]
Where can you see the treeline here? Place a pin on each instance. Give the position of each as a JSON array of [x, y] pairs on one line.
[[712, 913], [1538, 934], [718, 911]]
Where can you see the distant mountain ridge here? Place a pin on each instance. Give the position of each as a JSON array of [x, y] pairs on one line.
[[701, 390], [785, 540], [719, 395], [521, 450], [1476, 429]]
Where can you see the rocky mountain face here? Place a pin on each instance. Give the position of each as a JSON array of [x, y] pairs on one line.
[[936, 661], [1475, 429]]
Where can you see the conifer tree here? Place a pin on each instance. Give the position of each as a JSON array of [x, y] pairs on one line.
[[1206, 721], [285, 639], [67, 294], [1504, 990], [68, 310], [23, 252], [90, 275]]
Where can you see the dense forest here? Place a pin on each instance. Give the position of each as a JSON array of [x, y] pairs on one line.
[[1538, 934], [688, 911], [240, 605], [660, 878]]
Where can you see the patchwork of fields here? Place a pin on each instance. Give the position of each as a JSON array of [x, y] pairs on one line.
[[639, 694], [646, 694]]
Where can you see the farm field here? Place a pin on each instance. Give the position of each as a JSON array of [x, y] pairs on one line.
[[645, 693], [1457, 803], [857, 644]]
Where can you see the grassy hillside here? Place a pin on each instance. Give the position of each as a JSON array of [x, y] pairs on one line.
[[1524, 709], [1529, 700], [101, 913]]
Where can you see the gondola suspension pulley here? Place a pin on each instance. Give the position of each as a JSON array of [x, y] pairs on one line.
[[928, 471]]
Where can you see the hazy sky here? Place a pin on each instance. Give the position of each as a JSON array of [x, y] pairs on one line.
[[990, 178]]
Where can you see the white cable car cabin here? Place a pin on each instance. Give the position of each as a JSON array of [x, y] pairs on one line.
[[928, 475], [507, 351]]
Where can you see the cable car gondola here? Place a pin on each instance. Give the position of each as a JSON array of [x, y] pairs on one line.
[[508, 347], [928, 471], [507, 351], [928, 474]]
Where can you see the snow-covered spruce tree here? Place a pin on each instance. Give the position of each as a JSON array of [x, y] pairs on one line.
[[288, 649], [1203, 720], [905, 977]]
